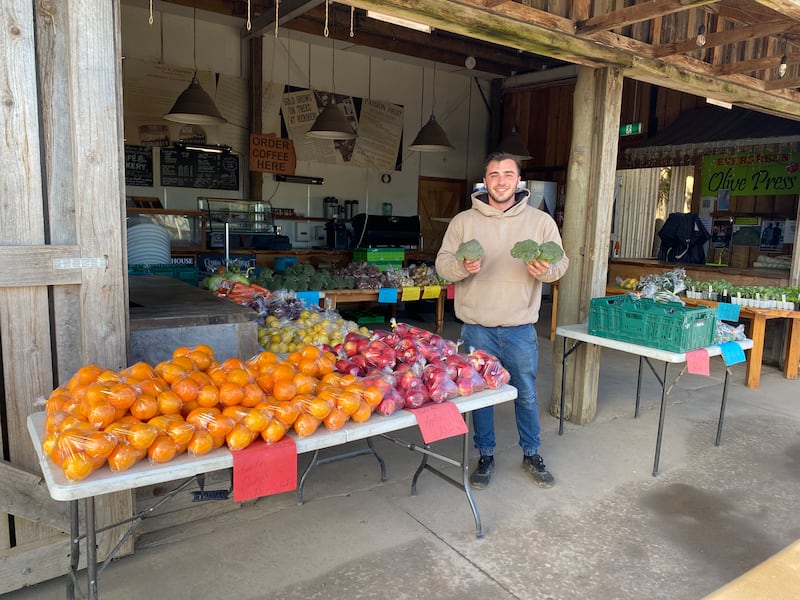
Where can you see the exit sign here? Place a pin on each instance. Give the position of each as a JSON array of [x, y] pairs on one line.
[[630, 129]]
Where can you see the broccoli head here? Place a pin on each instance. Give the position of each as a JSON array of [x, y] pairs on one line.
[[526, 250], [470, 250], [550, 252]]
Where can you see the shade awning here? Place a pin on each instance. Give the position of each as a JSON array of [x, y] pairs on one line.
[[713, 130]]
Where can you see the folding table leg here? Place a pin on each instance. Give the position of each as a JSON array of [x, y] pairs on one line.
[[722, 407], [91, 548], [661, 413], [74, 547]]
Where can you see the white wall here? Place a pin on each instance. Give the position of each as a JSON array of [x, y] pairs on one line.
[[305, 61]]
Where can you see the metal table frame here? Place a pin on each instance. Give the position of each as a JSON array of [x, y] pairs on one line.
[[192, 469], [580, 334]]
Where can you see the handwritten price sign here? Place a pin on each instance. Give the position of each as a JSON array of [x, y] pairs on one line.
[[262, 469], [439, 421]]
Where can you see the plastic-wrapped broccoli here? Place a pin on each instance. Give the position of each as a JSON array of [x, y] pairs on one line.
[[550, 252], [526, 250], [469, 250]]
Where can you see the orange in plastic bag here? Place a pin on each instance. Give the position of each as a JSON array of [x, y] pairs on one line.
[[163, 449], [77, 466], [240, 437], [363, 413], [202, 442], [306, 424], [336, 419], [125, 456], [274, 431]]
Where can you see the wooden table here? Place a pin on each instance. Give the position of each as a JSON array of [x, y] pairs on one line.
[[580, 334], [330, 298], [105, 481], [759, 318], [777, 578]]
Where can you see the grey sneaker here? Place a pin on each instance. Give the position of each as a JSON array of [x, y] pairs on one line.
[[535, 466], [482, 474]]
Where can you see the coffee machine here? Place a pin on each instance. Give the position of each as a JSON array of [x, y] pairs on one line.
[[337, 236]]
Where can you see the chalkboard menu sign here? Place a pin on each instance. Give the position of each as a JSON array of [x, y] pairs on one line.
[[194, 169], [138, 165]]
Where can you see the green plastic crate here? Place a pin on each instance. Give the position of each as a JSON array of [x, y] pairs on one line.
[[363, 317], [664, 325], [190, 275], [380, 255]]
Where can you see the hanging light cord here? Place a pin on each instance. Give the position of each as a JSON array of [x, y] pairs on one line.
[[352, 17], [150, 17], [194, 36], [326, 31]]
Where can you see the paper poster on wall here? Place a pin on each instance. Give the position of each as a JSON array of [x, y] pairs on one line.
[[380, 134], [771, 236], [378, 126], [721, 232], [724, 200]]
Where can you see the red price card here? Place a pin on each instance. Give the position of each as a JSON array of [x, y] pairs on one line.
[[697, 362], [451, 292], [262, 469], [439, 421]]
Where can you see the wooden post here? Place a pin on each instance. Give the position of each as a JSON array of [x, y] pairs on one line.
[[587, 228], [61, 143]]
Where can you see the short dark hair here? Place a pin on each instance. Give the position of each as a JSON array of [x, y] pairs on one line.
[[497, 156]]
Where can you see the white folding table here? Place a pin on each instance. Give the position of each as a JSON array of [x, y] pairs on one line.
[[580, 334], [105, 481]]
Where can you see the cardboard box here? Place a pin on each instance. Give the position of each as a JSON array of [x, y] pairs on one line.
[[740, 257]]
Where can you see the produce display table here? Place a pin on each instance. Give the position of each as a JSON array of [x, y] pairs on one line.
[[759, 318], [331, 298], [105, 481], [580, 334]]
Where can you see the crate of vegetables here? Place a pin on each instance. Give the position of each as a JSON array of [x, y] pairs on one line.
[[667, 326]]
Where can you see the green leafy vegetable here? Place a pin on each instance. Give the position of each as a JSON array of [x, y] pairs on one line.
[[526, 250], [550, 252], [470, 250]]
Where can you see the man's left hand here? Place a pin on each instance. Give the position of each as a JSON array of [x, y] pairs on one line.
[[537, 268]]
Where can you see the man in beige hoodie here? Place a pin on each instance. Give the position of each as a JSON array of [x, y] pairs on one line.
[[497, 297]]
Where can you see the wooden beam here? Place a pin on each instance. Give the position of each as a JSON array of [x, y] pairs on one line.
[[25, 495], [534, 31], [636, 13], [28, 564], [731, 36], [757, 64], [42, 265], [782, 84], [789, 8]]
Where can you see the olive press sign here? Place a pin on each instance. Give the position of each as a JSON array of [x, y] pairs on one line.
[[752, 174], [270, 154]]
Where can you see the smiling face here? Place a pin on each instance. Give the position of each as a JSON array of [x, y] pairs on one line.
[[501, 180]]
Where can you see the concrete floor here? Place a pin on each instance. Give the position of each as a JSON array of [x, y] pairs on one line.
[[607, 530]]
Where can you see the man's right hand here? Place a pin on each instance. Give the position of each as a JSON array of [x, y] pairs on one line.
[[472, 266]]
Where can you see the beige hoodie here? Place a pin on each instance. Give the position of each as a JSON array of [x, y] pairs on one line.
[[502, 293]]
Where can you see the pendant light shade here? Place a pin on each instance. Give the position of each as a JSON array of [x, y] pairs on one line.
[[431, 138], [331, 124], [195, 106], [513, 144]]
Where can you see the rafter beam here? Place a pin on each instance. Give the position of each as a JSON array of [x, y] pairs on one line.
[[517, 26], [757, 64], [782, 84], [636, 13], [731, 36], [788, 8]]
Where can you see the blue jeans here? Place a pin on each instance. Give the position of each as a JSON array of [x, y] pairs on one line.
[[518, 350]]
